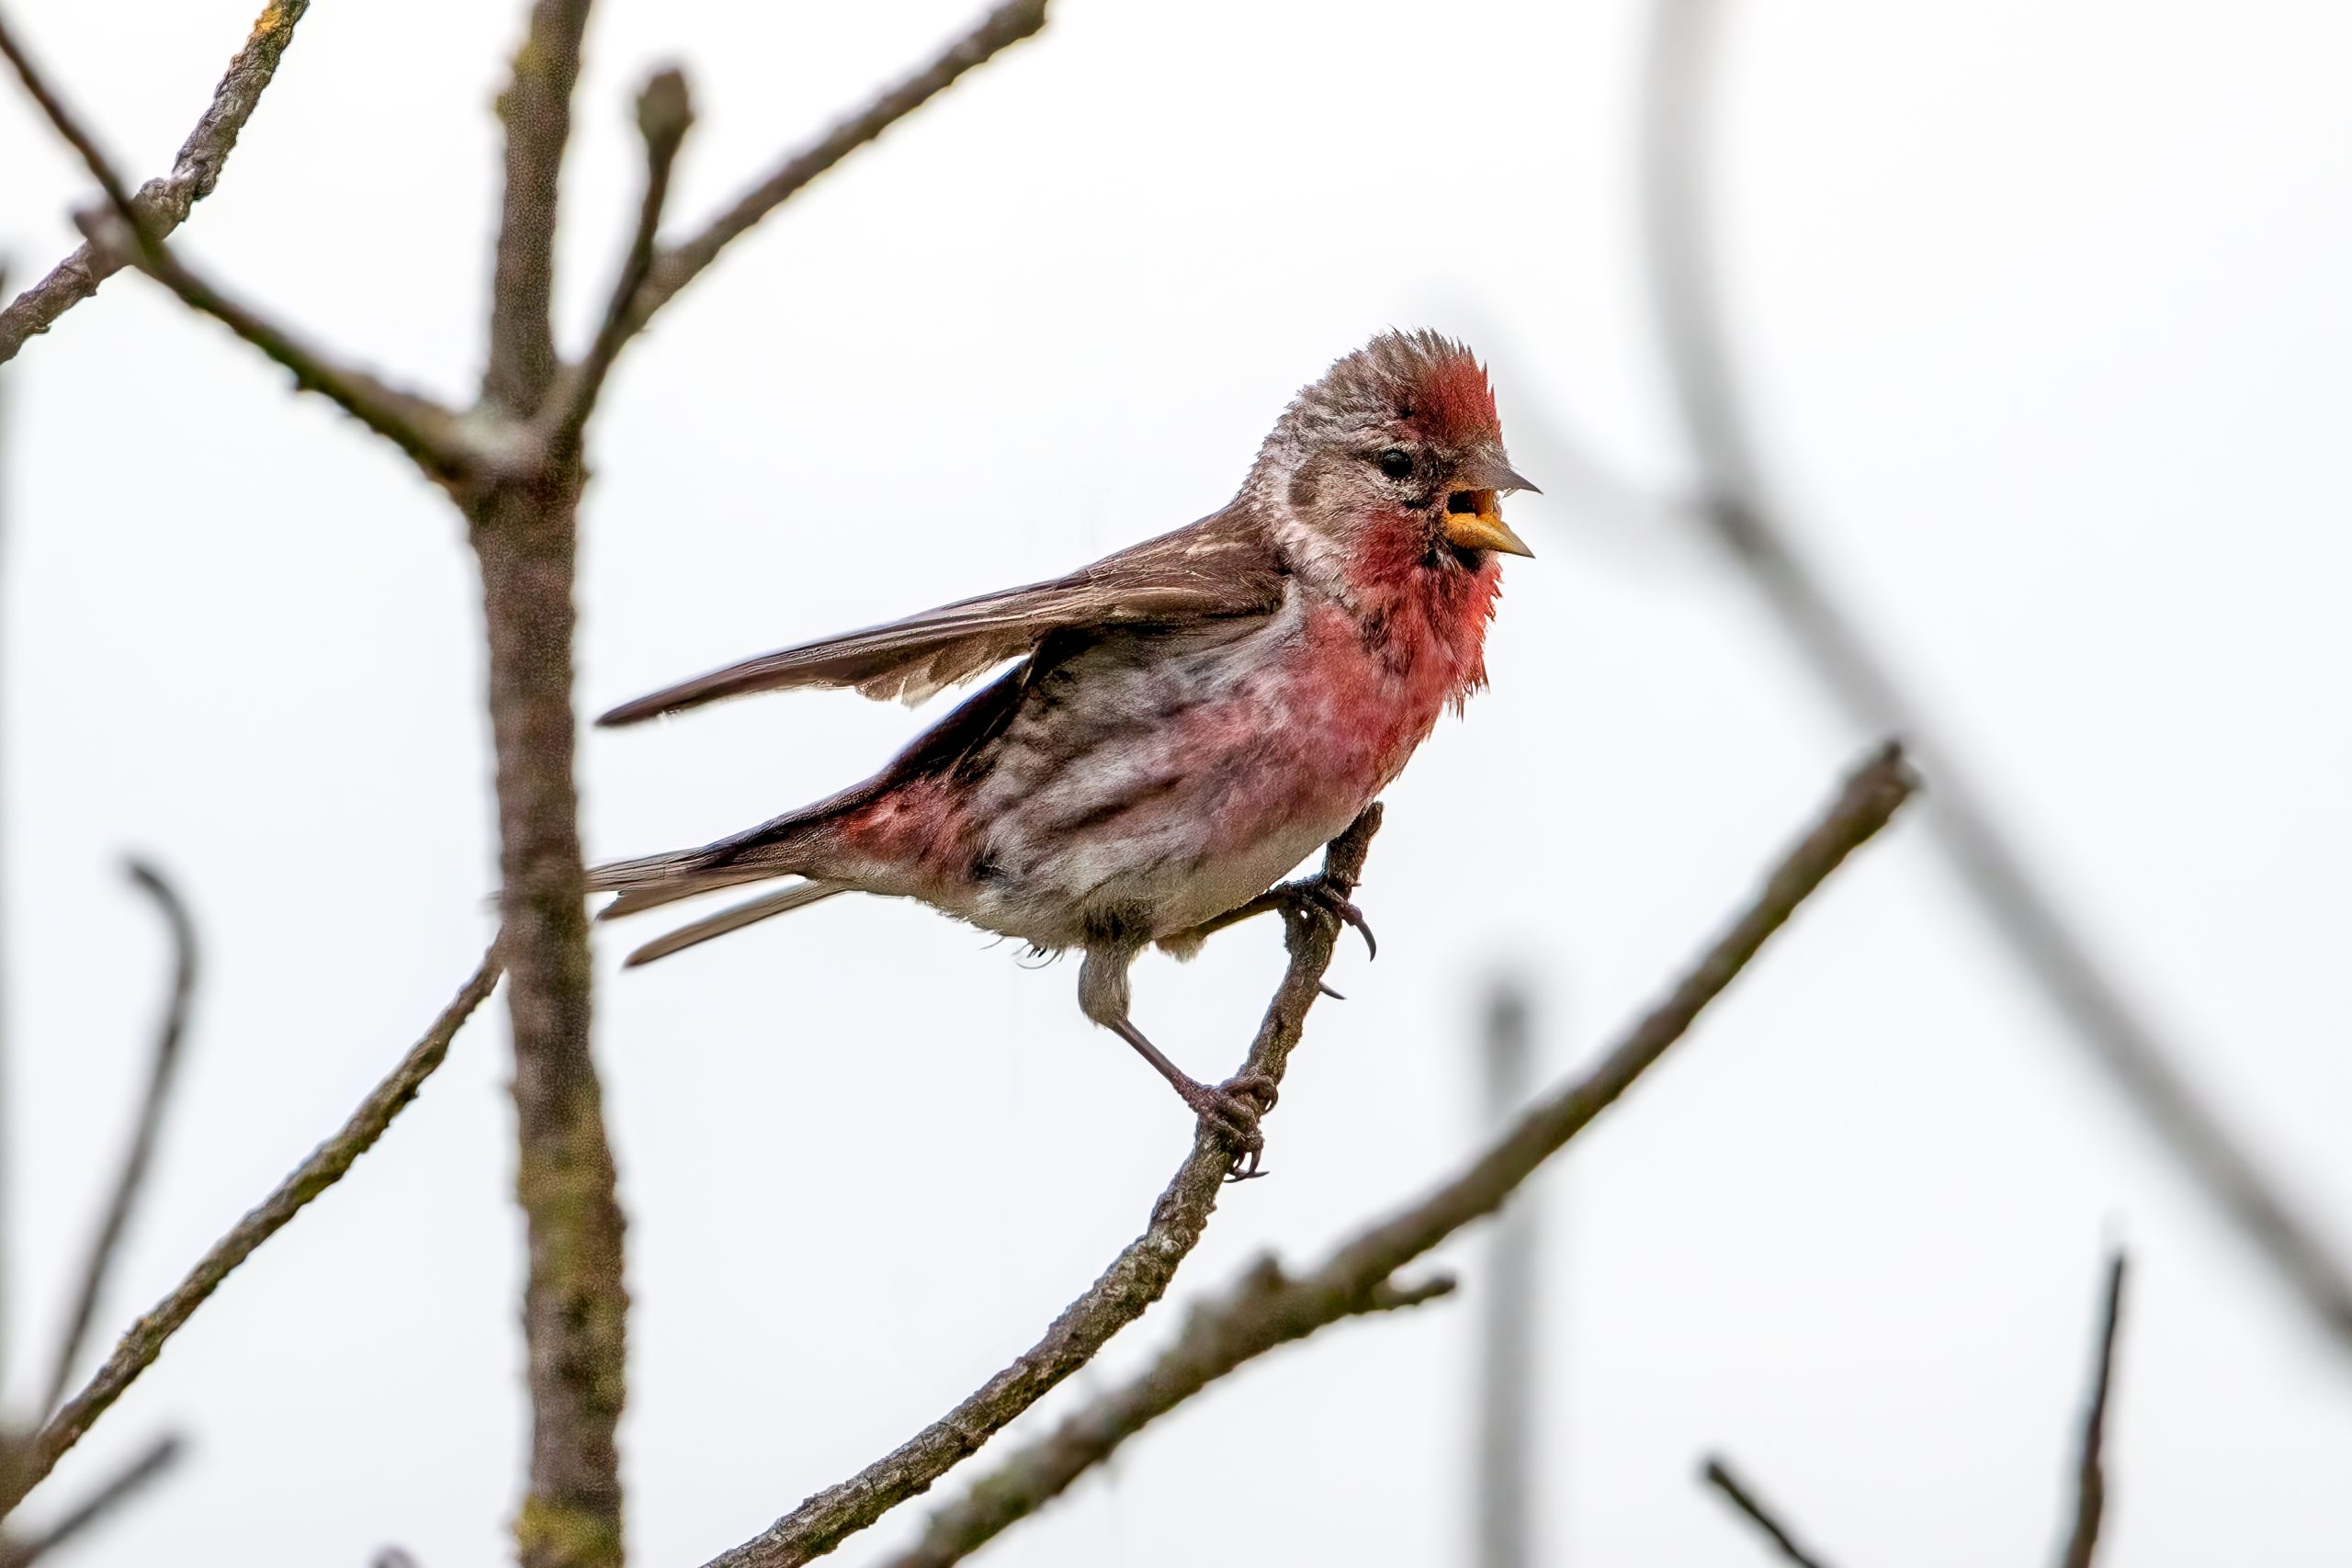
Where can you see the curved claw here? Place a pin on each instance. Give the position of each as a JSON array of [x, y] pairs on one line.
[[1319, 892]]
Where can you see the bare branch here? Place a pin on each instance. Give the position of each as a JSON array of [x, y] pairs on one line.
[[431, 435], [1267, 1309], [2090, 1473], [676, 266], [664, 112], [1504, 1528], [163, 1063], [1718, 1475], [1136, 1279], [2103, 1017], [164, 204], [537, 111], [326, 1165], [134, 1478]]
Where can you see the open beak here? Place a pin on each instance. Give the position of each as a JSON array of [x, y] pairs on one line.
[[1474, 517]]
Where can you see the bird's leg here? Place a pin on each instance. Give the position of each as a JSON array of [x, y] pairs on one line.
[[1232, 1108], [1295, 898]]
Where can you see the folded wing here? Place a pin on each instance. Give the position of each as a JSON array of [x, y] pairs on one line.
[[1219, 566]]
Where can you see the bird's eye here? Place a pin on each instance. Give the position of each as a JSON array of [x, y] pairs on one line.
[[1397, 463]]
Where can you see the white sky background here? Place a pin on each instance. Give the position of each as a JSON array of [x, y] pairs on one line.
[[2043, 309]]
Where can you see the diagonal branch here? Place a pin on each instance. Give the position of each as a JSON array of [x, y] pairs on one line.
[[1718, 1475], [1268, 1310], [677, 265], [141, 1472], [431, 435], [664, 112], [2104, 1018], [327, 1165], [2090, 1472], [164, 204], [160, 1078], [1136, 1279]]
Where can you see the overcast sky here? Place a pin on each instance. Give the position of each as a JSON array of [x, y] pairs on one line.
[[2041, 306]]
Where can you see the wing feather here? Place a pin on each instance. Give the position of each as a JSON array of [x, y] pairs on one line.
[[1219, 566]]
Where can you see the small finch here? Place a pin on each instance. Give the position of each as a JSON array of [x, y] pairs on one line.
[[1189, 717]]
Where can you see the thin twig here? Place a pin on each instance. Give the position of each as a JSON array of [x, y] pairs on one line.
[[2090, 1472], [431, 435], [1716, 1474], [1136, 1279], [326, 1165], [164, 203], [1737, 506], [535, 110], [134, 1478], [677, 265], [163, 1063], [1268, 1310], [664, 112]]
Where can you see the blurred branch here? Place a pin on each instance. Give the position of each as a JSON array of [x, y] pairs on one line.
[[164, 204], [1737, 507], [1505, 1456], [678, 264], [161, 1070], [432, 437], [326, 1165], [664, 112], [1136, 1279], [134, 1478], [1718, 1475], [1268, 1310], [2090, 1474]]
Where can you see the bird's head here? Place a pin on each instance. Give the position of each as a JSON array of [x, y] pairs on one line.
[[1401, 435]]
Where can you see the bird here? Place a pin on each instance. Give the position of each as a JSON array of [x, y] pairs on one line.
[[1182, 723]]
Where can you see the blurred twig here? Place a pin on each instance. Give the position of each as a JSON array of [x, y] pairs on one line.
[[1269, 1309], [164, 204], [1136, 1279], [2090, 1470], [1738, 508], [326, 1165], [1718, 1475], [134, 1478], [163, 1063], [1505, 1456]]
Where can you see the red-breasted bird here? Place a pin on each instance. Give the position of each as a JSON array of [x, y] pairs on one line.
[[1189, 717]]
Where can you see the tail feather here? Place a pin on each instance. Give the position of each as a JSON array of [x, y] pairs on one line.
[[733, 918], [682, 885]]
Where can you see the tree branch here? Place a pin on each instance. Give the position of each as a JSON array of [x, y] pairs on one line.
[[2090, 1474], [160, 1078], [1738, 508], [678, 266], [134, 1478], [664, 112], [1718, 1475], [430, 434], [326, 1165], [536, 111], [1267, 1309], [164, 204], [1136, 1279], [526, 537]]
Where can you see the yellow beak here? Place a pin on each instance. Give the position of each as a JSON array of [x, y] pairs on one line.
[[1474, 521]]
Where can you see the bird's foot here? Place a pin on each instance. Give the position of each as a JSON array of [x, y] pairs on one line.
[[1232, 1109], [1318, 893]]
